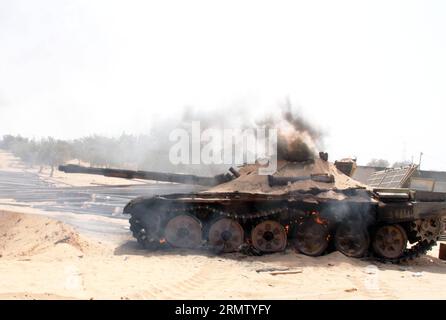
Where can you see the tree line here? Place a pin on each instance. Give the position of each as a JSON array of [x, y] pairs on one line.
[[134, 152], [382, 163], [125, 151]]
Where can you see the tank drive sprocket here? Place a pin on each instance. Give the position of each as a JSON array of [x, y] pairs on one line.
[[427, 229]]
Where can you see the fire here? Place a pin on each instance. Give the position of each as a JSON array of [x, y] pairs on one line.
[[317, 218]]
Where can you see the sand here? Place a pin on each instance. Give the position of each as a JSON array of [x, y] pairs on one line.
[[23, 235], [9, 162], [45, 259]]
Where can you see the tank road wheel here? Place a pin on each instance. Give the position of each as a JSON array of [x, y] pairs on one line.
[[269, 236], [311, 238], [352, 240], [226, 235], [183, 231], [390, 241]]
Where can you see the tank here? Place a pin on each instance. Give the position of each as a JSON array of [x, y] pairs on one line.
[[312, 206]]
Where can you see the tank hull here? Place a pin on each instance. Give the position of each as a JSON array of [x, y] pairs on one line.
[[354, 221]]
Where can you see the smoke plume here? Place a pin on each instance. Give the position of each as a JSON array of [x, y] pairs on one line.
[[298, 139]]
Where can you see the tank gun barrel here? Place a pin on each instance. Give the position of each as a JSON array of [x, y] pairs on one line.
[[149, 175]]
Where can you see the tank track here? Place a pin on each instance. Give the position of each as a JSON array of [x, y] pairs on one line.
[[419, 248], [138, 231]]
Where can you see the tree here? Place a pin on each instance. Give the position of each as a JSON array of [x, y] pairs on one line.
[[53, 152], [382, 163], [403, 163]]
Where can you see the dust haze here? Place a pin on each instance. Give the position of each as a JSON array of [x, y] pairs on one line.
[[298, 140]]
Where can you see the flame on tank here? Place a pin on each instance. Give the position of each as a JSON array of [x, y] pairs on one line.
[[317, 218]]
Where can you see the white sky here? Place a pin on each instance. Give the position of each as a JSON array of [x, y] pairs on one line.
[[372, 74]]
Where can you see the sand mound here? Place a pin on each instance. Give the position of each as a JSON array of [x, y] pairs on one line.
[[28, 235]]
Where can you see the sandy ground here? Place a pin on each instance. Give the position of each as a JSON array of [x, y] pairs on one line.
[[42, 258], [59, 256], [10, 163]]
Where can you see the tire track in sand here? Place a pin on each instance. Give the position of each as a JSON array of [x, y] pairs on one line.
[[209, 280]]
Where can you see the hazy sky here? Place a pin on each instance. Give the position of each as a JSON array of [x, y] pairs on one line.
[[372, 74]]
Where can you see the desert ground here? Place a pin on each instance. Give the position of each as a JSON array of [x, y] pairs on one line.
[[50, 253]]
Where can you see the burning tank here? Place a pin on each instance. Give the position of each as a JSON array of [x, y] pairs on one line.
[[313, 206]]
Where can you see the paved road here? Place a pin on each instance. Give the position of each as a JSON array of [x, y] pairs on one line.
[[70, 203]]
